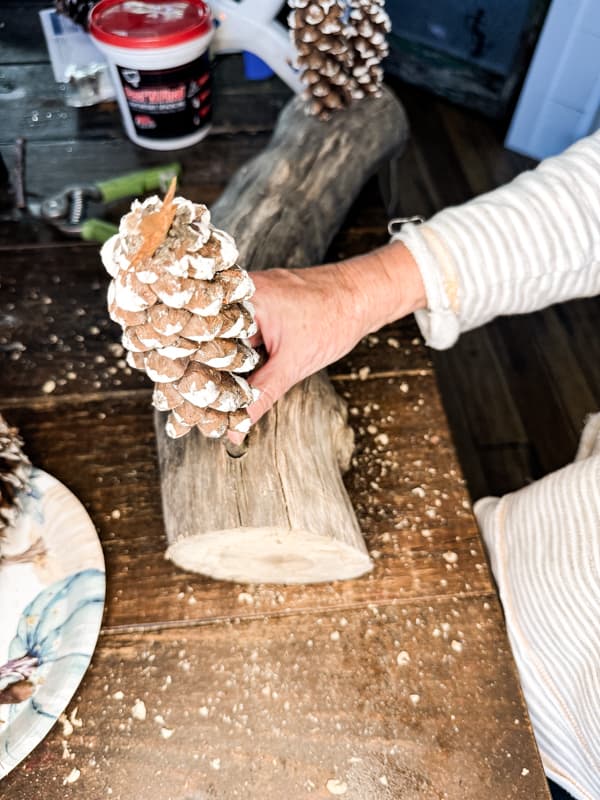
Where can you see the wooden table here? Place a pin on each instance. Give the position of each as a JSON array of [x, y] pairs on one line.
[[397, 685]]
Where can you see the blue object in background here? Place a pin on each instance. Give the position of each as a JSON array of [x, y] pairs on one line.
[[255, 68], [560, 101]]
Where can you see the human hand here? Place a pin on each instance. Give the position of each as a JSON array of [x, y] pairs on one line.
[[309, 318]]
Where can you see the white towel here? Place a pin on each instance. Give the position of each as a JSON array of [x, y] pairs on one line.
[[544, 546]]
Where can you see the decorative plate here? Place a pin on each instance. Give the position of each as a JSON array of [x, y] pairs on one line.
[[52, 587]]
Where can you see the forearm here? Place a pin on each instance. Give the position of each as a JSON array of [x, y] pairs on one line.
[[522, 247], [382, 286]]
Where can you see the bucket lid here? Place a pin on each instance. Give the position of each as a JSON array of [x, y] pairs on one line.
[[139, 24]]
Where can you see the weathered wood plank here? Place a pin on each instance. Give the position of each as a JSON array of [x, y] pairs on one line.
[[381, 700], [541, 376], [405, 485], [36, 107], [21, 37]]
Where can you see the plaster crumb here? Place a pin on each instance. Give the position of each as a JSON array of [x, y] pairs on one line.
[[118, 695], [415, 699], [363, 373], [404, 387], [166, 733], [382, 438], [66, 753], [203, 711], [138, 710], [524, 771], [336, 787], [216, 763], [334, 636], [450, 556], [456, 646], [67, 727], [246, 597], [49, 387], [402, 658], [391, 342], [72, 776]]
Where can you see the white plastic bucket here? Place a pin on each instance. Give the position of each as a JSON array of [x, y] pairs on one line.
[[158, 56]]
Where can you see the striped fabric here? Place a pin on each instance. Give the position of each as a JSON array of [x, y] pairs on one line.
[[533, 242], [544, 546], [524, 246]]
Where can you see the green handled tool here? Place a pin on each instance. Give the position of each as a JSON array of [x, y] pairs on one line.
[[67, 209]]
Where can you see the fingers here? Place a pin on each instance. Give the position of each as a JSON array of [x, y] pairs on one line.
[[271, 384]]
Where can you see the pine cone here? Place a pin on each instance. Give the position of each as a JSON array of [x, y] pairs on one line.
[[14, 475], [77, 10], [339, 48], [182, 302]]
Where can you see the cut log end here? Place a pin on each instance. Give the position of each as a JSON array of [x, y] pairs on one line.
[[269, 555]]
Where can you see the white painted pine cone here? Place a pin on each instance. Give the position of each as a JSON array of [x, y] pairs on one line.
[[182, 302]]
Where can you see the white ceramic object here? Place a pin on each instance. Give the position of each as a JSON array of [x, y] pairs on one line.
[[52, 587]]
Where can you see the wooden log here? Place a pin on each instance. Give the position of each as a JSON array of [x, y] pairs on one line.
[[278, 511]]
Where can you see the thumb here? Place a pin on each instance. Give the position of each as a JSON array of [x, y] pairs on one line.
[[271, 382]]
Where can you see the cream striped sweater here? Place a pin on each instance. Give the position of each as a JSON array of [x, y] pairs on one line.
[[524, 246]]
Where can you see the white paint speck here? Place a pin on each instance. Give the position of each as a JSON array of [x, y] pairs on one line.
[[363, 373], [402, 658], [115, 513], [215, 763], [334, 636], [138, 710], [166, 733], [118, 695], [524, 771], [383, 780], [336, 787], [415, 699], [203, 711], [49, 387], [450, 556], [245, 597], [72, 776], [456, 646]]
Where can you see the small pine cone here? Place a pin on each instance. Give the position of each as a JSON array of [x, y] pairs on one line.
[[15, 468], [339, 47], [322, 54], [77, 10], [182, 302]]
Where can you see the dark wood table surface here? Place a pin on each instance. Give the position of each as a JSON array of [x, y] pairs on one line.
[[398, 685]]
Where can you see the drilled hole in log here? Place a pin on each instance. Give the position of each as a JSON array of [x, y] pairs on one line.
[[236, 450]]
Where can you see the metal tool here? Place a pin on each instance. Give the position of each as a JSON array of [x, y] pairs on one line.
[[67, 210]]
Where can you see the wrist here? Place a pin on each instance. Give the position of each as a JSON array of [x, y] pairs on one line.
[[385, 284]]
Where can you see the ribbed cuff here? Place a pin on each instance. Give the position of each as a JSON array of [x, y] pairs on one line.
[[439, 322]]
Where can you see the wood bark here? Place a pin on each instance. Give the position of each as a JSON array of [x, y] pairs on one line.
[[278, 511]]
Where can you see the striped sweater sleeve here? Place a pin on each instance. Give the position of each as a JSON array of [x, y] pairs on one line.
[[526, 245]]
